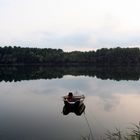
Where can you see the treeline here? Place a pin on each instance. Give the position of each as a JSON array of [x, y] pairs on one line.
[[18, 73], [47, 56]]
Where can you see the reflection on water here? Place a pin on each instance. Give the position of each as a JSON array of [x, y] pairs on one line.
[[78, 110], [34, 110], [18, 73]]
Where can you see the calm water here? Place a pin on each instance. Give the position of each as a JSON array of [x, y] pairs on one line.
[[33, 109]]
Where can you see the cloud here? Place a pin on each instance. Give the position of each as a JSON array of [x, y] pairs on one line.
[[84, 24]]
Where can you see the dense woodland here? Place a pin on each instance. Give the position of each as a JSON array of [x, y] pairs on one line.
[[47, 56]]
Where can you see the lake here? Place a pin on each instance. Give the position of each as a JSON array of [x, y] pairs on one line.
[[31, 104]]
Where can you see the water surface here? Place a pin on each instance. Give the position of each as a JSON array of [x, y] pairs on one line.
[[33, 109]]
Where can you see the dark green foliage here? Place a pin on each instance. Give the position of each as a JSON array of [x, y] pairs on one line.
[[118, 56], [18, 55], [47, 56]]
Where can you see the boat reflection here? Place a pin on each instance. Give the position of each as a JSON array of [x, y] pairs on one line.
[[77, 109]]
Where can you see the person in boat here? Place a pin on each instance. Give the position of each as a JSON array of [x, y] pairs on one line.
[[70, 97]]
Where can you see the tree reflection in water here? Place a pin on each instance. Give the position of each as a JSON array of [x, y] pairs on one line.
[[18, 73]]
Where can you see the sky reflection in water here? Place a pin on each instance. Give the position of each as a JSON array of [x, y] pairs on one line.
[[33, 109]]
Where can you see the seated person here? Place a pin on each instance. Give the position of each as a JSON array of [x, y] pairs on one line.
[[71, 98]]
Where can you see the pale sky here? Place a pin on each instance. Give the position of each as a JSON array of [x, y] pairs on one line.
[[70, 24]]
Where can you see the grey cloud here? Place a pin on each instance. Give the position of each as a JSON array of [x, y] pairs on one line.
[[72, 39], [93, 39], [104, 37], [122, 41]]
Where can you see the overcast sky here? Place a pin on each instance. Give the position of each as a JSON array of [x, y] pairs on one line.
[[70, 24]]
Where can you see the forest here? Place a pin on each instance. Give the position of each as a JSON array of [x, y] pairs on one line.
[[46, 56]]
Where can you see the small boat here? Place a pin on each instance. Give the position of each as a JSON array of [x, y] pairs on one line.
[[74, 100]]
